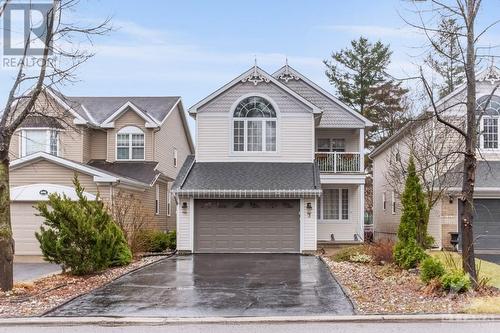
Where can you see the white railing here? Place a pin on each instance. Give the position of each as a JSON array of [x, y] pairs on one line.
[[338, 162]]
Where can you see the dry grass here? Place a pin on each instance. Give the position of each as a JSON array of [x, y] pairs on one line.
[[484, 305], [486, 269]]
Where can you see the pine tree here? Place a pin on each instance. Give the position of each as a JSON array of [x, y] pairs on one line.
[[356, 70], [388, 109], [359, 75], [80, 235], [447, 61], [409, 251]]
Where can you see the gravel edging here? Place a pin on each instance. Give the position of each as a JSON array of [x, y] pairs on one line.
[[387, 290], [42, 296], [344, 290]]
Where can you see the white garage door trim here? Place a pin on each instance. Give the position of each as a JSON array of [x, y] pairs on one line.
[[40, 192]]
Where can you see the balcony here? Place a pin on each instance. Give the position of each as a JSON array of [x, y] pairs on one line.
[[339, 162]]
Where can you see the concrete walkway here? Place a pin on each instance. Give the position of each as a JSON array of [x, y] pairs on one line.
[[32, 271]]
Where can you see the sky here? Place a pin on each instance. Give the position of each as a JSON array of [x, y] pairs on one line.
[[192, 47]]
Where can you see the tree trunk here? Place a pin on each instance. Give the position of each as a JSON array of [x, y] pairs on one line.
[[6, 241], [469, 175]]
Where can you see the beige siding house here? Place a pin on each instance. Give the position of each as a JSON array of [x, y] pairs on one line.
[[444, 215], [114, 144], [278, 168]]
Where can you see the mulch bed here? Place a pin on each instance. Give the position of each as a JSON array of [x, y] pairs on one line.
[[377, 289], [36, 298]]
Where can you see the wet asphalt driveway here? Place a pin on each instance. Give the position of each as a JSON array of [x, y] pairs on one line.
[[218, 285]]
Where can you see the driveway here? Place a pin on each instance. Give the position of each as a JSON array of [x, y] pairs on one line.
[[208, 285], [491, 257], [33, 271]]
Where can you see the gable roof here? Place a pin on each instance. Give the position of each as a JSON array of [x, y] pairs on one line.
[[262, 76], [105, 109], [330, 116], [490, 74], [102, 110], [100, 174]]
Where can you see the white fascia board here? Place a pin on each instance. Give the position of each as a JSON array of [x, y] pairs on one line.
[[326, 179], [194, 108], [327, 94], [170, 112], [64, 162], [150, 122], [79, 120]]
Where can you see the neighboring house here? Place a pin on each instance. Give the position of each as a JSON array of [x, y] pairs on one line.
[[278, 167], [132, 144], [444, 217]]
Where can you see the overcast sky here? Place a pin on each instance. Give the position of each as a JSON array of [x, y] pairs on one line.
[[190, 48]]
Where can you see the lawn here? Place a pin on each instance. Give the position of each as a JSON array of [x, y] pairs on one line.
[[486, 268]]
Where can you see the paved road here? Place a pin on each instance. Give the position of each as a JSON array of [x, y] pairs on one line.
[[209, 285], [427, 327]]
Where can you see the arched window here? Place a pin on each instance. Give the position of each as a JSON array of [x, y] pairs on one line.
[[254, 125], [130, 143], [488, 107]]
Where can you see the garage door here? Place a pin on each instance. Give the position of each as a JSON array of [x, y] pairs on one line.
[[487, 224], [237, 226], [24, 225]]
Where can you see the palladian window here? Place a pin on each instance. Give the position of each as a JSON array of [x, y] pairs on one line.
[[254, 126], [130, 144]]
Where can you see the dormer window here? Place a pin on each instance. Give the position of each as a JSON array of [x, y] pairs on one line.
[[254, 126], [36, 140], [130, 144]]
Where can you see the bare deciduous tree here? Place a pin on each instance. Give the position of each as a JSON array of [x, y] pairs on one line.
[[130, 214], [63, 52], [434, 148], [464, 12]]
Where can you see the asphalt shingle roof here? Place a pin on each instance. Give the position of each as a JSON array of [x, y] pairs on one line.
[[141, 171], [487, 175], [100, 108], [248, 176]]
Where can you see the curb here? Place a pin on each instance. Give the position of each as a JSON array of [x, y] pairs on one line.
[[155, 321]]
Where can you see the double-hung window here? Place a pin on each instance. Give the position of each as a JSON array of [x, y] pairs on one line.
[[333, 205], [488, 108], [130, 144], [254, 126], [36, 140], [490, 133]]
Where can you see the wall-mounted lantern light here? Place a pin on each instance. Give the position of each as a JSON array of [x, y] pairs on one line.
[[450, 198], [309, 209], [184, 206]]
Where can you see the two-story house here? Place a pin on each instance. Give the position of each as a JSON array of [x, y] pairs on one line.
[[444, 216], [132, 144], [278, 167]]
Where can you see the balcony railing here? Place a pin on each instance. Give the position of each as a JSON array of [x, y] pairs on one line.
[[338, 162]]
